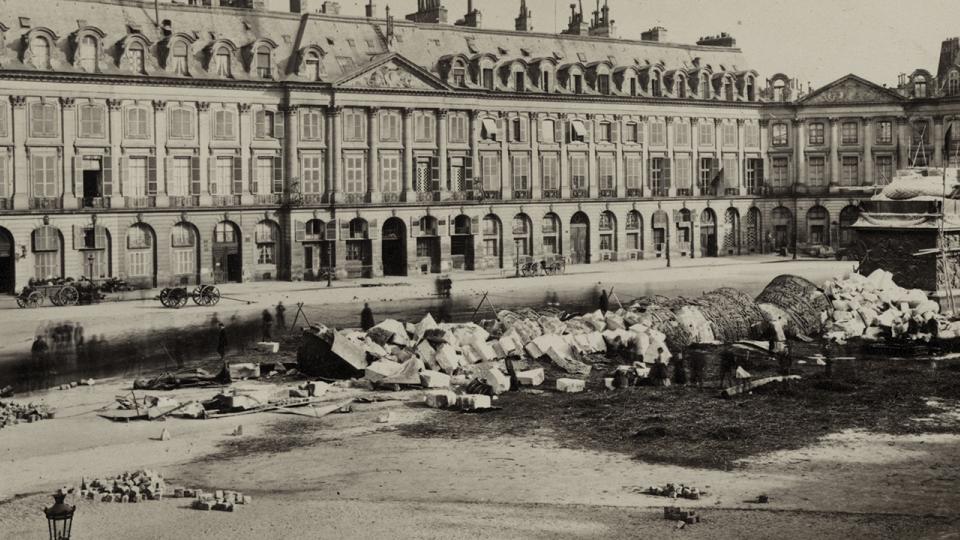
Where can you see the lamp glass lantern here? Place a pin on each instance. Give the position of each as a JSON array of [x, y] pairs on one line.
[[60, 517]]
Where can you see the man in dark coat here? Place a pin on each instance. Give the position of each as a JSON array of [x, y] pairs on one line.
[[267, 323], [281, 316], [604, 302], [222, 342], [366, 318]]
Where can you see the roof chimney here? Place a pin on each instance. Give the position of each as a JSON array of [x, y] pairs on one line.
[[371, 10], [429, 11], [723, 40], [524, 22], [602, 25], [657, 33], [577, 26], [473, 18]]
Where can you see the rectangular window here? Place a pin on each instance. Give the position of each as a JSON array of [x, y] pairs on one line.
[[180, 124], [311, 128], [707, 175], [488, 78], [753, 135], [885, 132], [816, 171], [550, 170], [263, 124], [458, 127], [603, 84], [222, 181], [223, 125], [263, 175], [521, 171], [730, 135], [422, 179], [179, 174], [390, 172], [137, 123], [607, 169], [92, 121], [548, 131], [518, 129], [578, 84], [681, 134], [754, 175], [630, 133], [658, 133], [779, 172], [139, 263], [311, 173], [850, 173], [884, 170], [779, 135], [3, 120], [605, 132], [136, 180], [490, 171], [815, 137], [706, 129], [633, 165], [44, 121], [44, 175], [578, 172], [425, 127], [354, 175], [684, 175], [183, 261], [849, 132], [657, 181], [390, 126], [354, 125], [730, 177]]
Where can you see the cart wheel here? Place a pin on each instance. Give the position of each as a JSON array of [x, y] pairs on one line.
[[69, 296], [213, 295], [165, 297], [35, 299], [20, 301], [183, 301]]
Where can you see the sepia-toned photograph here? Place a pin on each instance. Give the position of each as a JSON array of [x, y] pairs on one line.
[[458, 269]]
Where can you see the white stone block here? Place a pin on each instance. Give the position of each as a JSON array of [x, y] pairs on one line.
[[571, 385], [532, 377], [434, 379]]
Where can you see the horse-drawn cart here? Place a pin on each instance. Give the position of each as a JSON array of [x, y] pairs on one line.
[[202, 295], [60, 292]]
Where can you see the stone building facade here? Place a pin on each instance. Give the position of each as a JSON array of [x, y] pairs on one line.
[[233, 144]]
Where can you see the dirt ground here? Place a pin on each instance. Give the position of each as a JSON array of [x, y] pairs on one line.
[[347, 476]]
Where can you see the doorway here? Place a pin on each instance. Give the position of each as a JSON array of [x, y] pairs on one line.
[[394, 247], [92, 182], [461, 243], [708, 233], [580, 239], [7, 262], [227, 263]]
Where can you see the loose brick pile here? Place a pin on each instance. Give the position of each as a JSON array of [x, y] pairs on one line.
[[675, 491], [14, 413], [139, 486]]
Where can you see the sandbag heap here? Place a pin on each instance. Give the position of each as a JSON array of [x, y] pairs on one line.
[[138, 486], [874, 307], [14, 413], [795, 301]]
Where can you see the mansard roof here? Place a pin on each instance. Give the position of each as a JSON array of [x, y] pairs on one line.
[[349, 43]]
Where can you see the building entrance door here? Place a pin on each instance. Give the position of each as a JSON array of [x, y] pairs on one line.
[[394, 247], [7, 259], [580, 239]]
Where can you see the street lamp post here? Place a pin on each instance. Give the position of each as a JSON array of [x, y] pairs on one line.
[[59, 517], [516, 256], [796, 210], [667, 238]]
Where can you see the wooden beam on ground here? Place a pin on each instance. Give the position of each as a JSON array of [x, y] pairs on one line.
[[748, 386]]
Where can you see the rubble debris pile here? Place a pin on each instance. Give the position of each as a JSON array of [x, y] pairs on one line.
[[219, 500], [874, 307], [138, 486], [796, 301], [14, 413], [676, 491]]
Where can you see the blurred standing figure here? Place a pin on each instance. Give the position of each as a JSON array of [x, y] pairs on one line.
[[222, 343], [604, 302], [281, 316], [265, 326], [366, 318]]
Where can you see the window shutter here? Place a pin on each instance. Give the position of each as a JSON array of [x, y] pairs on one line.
[[589, 128], [299, 231], [77, 237], [168, 167], [344, 229], [100, 237], [475, 224], [414, 227], [373, 230], [434, 174], [125, 174], [195, 175], [759, 172], [77, 173], [237, 175], [259, 124], [212, 175], [107, 164], [332, 230], [649, 172], [666, 172], [714, 170], [558, 131], [468, 172], [253, 176], [279, 124], [615, 131], [151, 176], [277, 174], [524, 127]]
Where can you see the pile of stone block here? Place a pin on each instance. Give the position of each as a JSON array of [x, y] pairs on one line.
[[685, 517], [219, 500], [138, 486], [14, 413], [675, 491], [874, 307]]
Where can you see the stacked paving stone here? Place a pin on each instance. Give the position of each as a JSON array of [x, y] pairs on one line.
[[139, 486], [14, 413], [219, 500]]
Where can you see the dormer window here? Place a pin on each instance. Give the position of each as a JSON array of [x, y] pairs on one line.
[[751, 91], [953, 84], [578, 84], [603, 84], [488, 78], [704, 86], [680, 87], [264, 70], [459, 76], [88, 53], [312, 66], [519, 82], [656, 89], [728, 93], [40, 51], [179, 58], [920, 87], [221, 62], [545, 81], [633, 86], [778, 91], [137, 58]]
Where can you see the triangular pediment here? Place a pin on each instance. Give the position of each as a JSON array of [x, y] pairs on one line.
[[391, 72], [851, 90]]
